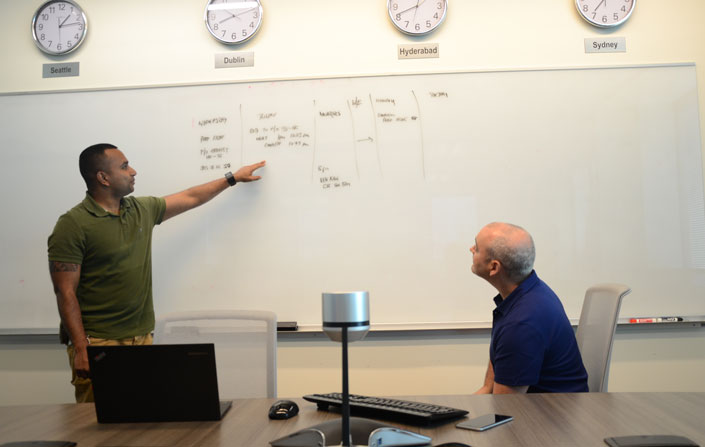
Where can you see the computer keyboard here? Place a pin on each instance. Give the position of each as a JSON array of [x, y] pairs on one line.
[[408, 412]]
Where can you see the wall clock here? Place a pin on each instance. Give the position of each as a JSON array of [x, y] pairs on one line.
[[233, 21], [417, 17], [604, 13], [59, 26]]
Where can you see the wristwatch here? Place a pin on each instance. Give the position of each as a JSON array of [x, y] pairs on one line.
[[230, 178]]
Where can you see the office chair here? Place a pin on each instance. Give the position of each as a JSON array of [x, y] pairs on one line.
[[245, 347], [598, 321]]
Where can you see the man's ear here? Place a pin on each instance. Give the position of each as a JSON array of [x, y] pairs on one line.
[[495, 267], [102, 178]]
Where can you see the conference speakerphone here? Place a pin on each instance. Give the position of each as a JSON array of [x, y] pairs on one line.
[[408, 412]]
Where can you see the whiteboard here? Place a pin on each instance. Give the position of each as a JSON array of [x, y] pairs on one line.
[[381, 184]]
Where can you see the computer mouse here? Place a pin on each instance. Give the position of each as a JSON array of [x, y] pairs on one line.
[[283, 409]]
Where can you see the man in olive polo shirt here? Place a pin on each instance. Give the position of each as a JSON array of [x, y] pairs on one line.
[[100, 256]]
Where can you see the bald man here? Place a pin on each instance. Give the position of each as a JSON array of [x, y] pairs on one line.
[[533, 347]]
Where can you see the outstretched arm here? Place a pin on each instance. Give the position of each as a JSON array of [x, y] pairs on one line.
[[65, 278], [198, 195]]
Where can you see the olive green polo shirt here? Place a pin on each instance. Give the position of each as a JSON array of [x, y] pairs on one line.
[[115, 253]]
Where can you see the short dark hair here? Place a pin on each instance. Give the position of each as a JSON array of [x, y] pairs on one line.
[[91, 161]]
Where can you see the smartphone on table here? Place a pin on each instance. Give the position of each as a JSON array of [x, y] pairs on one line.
[[484, 422]]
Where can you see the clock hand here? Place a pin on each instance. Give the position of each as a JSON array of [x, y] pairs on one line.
[[72, 24], [236, 16], [598, 5], [245, 12], [232, 16], [62, 23], [413, 7], [413, 19]]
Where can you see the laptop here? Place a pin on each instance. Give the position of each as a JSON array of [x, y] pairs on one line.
[[155, 383]]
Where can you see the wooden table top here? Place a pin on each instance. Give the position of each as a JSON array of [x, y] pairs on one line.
[[583, 419]]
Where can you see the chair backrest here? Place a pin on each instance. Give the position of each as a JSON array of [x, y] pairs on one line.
[[245, 347], [598, 321]]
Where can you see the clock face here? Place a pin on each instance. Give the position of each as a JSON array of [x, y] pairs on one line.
[[233, 21], [417, 17], [605, 13], [59, 26]]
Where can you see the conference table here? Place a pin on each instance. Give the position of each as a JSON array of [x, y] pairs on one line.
[[539, 420]]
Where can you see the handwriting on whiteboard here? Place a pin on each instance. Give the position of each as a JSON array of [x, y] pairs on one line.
[[214, 150], [345, 140]]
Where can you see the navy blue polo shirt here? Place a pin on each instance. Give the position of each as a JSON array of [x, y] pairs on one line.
[[533, 342]]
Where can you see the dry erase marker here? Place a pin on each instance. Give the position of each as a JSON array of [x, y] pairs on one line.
[[656, 320]]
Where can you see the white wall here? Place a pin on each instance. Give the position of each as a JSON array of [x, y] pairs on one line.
[[651, 359], [133, 42]]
